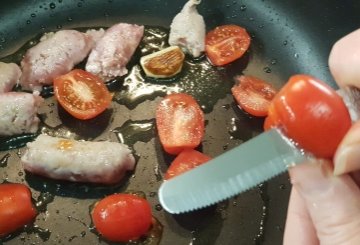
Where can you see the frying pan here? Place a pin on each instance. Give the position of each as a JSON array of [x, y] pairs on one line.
[[289, 37]]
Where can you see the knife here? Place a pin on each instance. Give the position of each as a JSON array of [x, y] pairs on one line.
[[253, 162]]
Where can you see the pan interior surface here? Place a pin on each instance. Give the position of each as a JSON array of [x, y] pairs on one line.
[[288, 37]]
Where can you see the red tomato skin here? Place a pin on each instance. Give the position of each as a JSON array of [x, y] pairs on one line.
[[253, 95], [102, 95], [122, 217], [185, 161], [180, 123], [226, 43], [16, 208], [311, 113]]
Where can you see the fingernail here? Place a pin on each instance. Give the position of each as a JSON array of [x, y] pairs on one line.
[[347, 159], [312, 179]]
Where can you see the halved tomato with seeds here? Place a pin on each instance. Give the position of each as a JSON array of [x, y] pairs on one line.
[[253, 95], [226, 43], [180, 123], [82, 94]]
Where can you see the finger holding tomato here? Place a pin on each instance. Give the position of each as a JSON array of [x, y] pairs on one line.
[[311, 113], [16, 208]]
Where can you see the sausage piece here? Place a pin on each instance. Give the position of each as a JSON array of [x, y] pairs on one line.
[[114, 50], [78, 161], [9, 76], [18, 113]]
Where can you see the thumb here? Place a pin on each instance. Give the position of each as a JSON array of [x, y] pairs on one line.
[[347, 157], [333, 202]]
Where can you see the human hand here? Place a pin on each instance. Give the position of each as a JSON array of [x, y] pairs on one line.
[[324, 205]]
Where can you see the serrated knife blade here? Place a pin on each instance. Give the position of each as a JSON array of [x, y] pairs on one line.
[[247, 165]]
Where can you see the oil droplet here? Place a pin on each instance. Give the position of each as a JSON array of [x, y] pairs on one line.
[[158, 207], [285, 42], [43, 200], [14, 142], [4, 160], [273, 61], [60, 1], [153, 237], [72, 238], [43, 234], [69, 19], [2, 39], [52, 5], [133, 131], [77, 220], [282, 187], [296, 55], [59, 26], [259, 238], [226, 107], [267, 69], [28, 22], [243, 7], [33, 15], [79, 4]]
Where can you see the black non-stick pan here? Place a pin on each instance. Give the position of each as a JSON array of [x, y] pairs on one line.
[[288, 37]]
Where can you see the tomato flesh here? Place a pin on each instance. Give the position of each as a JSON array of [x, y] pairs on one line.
[[226, 43], [253, 95], [180, 123], [311, 113], [82, 94], [16, 208], [185, 161], [122, 217]]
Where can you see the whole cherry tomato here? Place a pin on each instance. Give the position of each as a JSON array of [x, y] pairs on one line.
[[16, 208], [311, 113], [122, 217]]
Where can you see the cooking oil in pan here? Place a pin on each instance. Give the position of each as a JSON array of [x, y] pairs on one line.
[[133, 131], [4, 160], [206, 83]]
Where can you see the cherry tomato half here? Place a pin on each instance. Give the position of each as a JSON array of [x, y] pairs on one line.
[[185, 161], [253, 95], [16, 208], [122, 217], [82, 94], [311, 113], [180, 123], [226, 43]]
